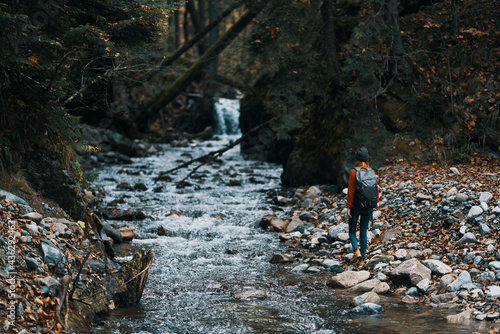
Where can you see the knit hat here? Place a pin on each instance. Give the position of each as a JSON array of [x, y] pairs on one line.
[[362, 154]]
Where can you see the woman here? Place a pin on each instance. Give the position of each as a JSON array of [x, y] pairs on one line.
[[362, 197]]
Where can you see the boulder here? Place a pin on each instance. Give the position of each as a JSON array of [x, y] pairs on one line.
[[468, 238], [51, 254], [493, 291], [127, 233], [443, 298], [281, 258], [389, 234], [368, 297], [34, 216], [379, 259], [463, 281], [410, 273], [374, 285], [113, 233], [293, 225], [367, 309], [52, 284], [437, 267], [348, 279], [461, 317]]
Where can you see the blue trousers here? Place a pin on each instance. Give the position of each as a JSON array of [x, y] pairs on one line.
[[364, 215]]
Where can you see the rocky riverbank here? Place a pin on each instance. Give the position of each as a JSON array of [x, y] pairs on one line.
[[57, 275], [434, 239]]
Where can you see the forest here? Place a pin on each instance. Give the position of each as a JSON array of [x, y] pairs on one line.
[[420, 76]]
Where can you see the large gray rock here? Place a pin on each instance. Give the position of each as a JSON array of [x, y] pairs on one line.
[[374, 285], [11, 197], [51, 254], [410, 273], [379, 259], [485, 197], [468, 238], [463, 281], [368, 297], [348, 279], [443, 298], [493, 291], [335, 230], [113, 233], [52, 284], [437, 267], [474, 212], [388, 235], [34, 216], [293, 225]]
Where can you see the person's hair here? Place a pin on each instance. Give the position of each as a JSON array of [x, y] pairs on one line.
[[360, 164]]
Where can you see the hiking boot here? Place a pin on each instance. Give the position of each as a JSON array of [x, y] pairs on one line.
[[356, 256], [361, 263]]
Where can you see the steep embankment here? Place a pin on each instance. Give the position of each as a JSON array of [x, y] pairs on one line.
[[433, 239]]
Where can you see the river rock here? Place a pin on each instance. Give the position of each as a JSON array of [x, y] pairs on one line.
[[445, 281], [292, 225], [494, 264], [367, 309], [335, 230], [463, 280], [461, 317], [423, 285], [281, 258], [51, 254], [34, 216], [113, 233], [368, 297], [485, 197], [127, 233], [484, 229], [278, 224], [52, 284], [437, 267], [474, 212], [468, 238], [374, 285], [410, 273], [493, 291], [461, 197], [348, 279], [443, 298], [401, 254], [389, 234], [379, 259]]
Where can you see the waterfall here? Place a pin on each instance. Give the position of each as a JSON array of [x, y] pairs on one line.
[[226, 117]]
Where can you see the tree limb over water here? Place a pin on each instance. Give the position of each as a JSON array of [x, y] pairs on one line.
[[209, 157]]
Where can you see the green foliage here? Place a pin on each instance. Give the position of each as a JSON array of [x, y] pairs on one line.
[[48, 52]]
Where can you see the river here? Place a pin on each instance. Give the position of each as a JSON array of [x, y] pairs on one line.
[[212, 251]]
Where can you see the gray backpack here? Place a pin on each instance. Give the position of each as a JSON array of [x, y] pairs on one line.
[[365, 195]]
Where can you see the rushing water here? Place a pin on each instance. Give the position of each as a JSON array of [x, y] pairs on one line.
[[213, 251]]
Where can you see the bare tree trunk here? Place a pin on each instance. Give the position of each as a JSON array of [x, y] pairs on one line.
[[186, 46], [186, 26], [329, 43], [394, 42], [202, 14], [171, 92], [197, 23], [454, 15], [177, 33], [207, 103]]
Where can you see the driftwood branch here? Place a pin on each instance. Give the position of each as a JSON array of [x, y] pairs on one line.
[[77, 278], [207, 158], [66, 280]]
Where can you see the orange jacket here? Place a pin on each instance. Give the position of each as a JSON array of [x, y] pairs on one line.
[[351, 188]]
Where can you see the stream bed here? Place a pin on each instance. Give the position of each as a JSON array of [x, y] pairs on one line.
[[212, 250]]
